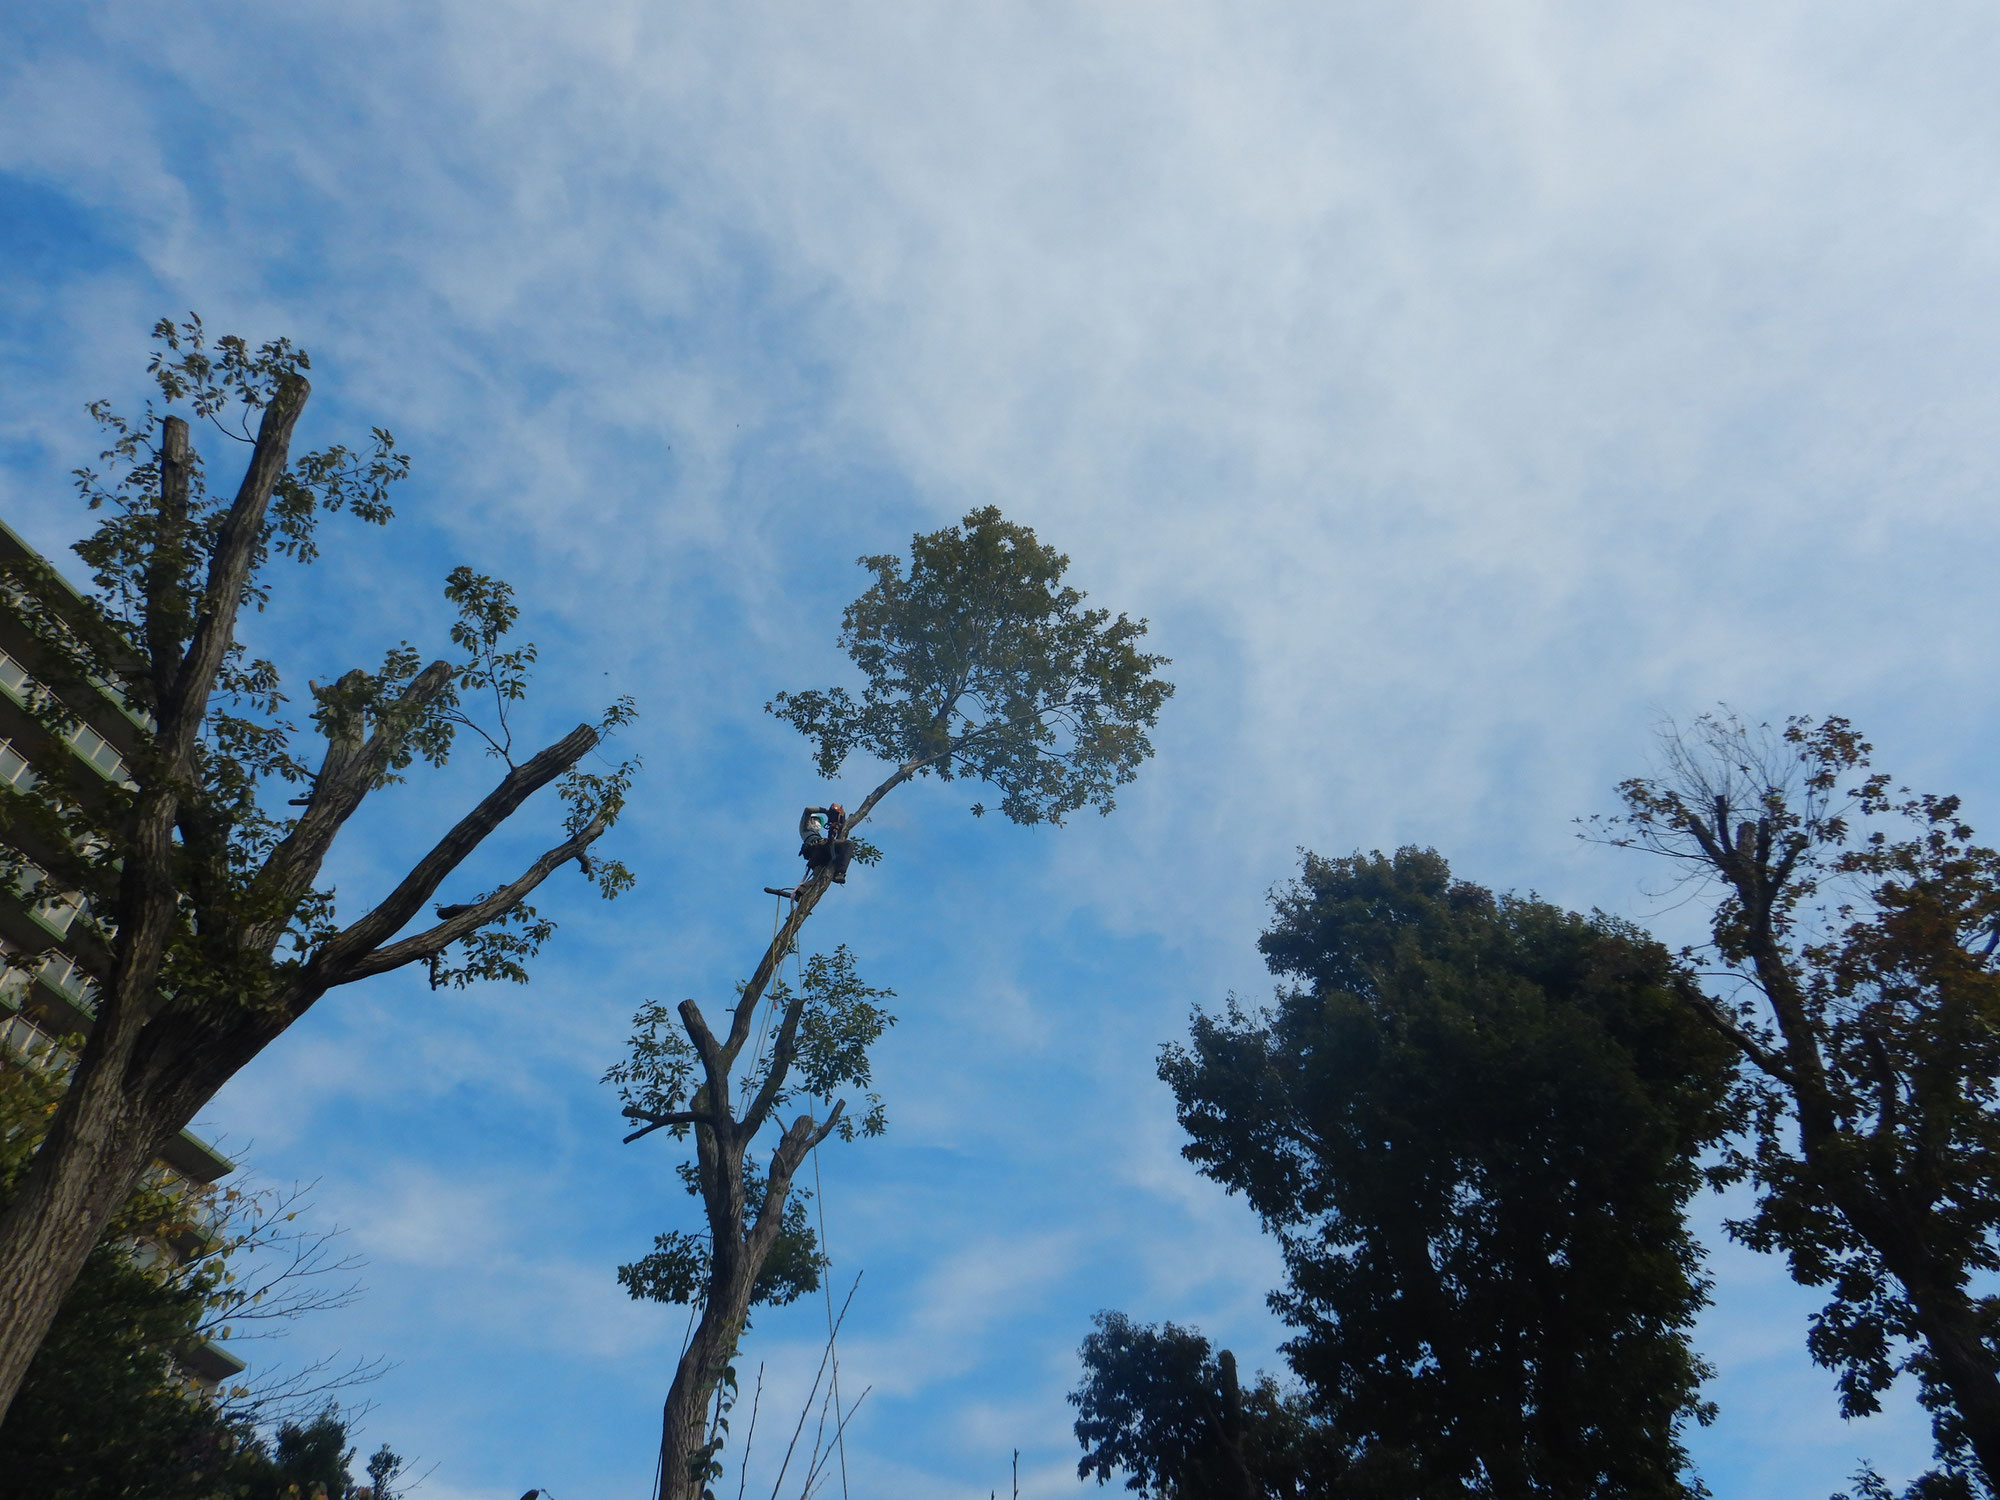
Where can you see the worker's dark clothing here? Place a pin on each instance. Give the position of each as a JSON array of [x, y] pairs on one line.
[[825, 843]]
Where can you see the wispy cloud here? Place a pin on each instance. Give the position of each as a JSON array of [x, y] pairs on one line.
[[1456, 389]]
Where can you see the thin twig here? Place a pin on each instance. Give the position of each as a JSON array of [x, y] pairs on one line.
[[817, 1377], [839, 1421], [819, 1432], [743, 1463], [839, 1434]]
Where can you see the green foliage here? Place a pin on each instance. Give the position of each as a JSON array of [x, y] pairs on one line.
[[500, 950], [307, 1456], [824, 1034], [385, 1466], [1473, 1122], [1949, 1483], [249, 759], [819, 1046], [838, 1022], [1857, 923], [1157, 1406], [657, 1073], [105, 1409], [588, 795], [677, 1270], [486, 612], [980, 663]]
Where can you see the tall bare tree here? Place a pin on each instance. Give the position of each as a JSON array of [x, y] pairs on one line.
[[205, 906], [1854, 926], [979, 664]]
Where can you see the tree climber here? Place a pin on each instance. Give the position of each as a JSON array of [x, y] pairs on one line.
[[823, 840]]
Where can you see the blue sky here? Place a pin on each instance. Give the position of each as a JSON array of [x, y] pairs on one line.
[[1459, 389]]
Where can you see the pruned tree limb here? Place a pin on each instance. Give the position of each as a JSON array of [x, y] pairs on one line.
[[808, 896], [477, 914], [163, 567], [185, 704], [784, 1048], [1711, 1011], [347, 773], [342, 954], [662, 1120], [704, 1040]]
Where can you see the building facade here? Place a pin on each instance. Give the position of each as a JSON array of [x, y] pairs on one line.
[[52, 961]]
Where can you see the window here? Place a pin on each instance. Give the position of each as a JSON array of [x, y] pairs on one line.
[[23, 1041], [14, 679], [102, 755], [14, 981], [54, 909], [97, 752], [67, 977], [57, 910], [14, 768]]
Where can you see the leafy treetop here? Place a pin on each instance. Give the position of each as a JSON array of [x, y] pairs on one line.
[[981, 663], [1854, 927]]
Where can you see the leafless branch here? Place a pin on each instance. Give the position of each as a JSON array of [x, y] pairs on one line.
[[280, 1396], [184, 705], [347, 772], [823, 1459], [662, 1121], [813, 1394]]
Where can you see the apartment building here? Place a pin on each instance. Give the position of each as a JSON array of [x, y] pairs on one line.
[[54, 962]]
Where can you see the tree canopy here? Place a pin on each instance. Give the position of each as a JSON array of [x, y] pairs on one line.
[[106, 1408], [982, 664], [1160, 1407], [979, 663], [1854, 928], [1473, 1121]]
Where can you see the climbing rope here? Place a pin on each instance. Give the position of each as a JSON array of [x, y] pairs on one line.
[[763, 1025], [833, 1352], [819, 1194], [826, 1282]]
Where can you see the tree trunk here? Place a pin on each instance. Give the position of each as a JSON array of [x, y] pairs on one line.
[[1242, 1483], [1964, 1367], [93, 1157], [1946, 1321], [684, 1431], [737, 1257]]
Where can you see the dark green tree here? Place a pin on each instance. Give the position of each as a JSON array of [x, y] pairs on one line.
[[197, 867], [1160, 1407], [105, 1410], [1473, 1122], [301, 1459], [1853, 934], [107, 1407], [978, 663]]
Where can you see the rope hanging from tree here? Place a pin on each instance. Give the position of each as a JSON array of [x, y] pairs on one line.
[[819, 1192]]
